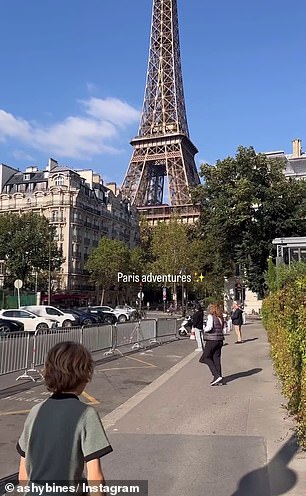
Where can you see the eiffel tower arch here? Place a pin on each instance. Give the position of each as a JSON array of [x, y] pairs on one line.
[[162, 168]]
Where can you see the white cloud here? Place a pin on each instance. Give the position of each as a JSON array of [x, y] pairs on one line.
[[13, 127], [76, 136], [112, 110]]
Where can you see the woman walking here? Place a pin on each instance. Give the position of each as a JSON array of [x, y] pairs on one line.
[[214, 337], [237, 320]]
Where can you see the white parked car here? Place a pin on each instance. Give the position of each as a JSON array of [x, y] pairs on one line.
[[121, 313], [48, 312], [30, 321], [126, 308]]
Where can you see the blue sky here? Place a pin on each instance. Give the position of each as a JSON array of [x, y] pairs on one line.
[[73, 75]]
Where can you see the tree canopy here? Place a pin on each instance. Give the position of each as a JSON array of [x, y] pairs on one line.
[[105, 262], [247, 201], [27, 245]]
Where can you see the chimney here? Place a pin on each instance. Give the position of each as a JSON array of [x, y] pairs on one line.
[[112, 187], [51, 163], [297, 148]]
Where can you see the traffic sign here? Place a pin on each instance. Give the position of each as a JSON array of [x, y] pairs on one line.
[[140, 295], [164, 294], [18, 283]]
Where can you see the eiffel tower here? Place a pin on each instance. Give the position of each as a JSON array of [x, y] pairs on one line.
[[163, 149]]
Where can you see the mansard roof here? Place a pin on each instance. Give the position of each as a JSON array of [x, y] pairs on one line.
[[35, 177]]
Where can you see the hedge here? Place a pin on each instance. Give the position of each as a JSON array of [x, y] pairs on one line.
[[284, 317]]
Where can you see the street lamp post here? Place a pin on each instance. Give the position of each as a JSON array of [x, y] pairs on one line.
[[182, 271], [55, 238], [49, 274], [2, 262]]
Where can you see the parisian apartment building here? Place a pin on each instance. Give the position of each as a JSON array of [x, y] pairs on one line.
[[81, 208]]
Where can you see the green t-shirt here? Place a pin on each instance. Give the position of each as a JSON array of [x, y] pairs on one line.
[[59, 435]]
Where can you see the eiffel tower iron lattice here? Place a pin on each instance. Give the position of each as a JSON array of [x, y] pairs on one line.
[[163, 147]]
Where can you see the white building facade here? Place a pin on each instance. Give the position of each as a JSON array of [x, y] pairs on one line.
[[81, 208]]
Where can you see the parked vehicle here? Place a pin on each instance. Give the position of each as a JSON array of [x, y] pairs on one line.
[[125, 309], [84, 317], [30, 321], [62, 318], [104, 317], [121, 313], [10, 327]]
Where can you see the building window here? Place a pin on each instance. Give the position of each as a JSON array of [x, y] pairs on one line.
[[54, 216], [21, 188], [26, 177], [59, 181]]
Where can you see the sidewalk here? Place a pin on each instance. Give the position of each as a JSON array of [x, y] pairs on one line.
[[187, 437]]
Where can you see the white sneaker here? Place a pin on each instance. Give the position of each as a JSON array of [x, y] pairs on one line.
[[216, 381], [198, 349]]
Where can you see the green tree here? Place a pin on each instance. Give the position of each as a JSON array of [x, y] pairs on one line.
[[171, 250], [246, 202], [27, 245], [141, 255], [206, 262], [105, 262]]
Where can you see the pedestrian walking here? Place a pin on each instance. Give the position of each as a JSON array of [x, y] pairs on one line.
[[171, 309], [62, 434], [237, 320], [197, 325], [214, 337]]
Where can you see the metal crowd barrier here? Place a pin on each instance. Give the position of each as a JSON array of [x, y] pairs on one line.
[[14, 353], [43, 341], [166, 328], [98, 338], [28, 351], [135, 334]]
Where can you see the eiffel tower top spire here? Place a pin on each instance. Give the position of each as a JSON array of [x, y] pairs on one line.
[[162, 169], [164, 109]]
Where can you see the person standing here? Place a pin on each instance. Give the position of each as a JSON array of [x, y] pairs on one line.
[[237, 320], [214, 337], [197, 324]]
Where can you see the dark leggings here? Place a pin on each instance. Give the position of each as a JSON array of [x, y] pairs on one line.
[[212, 357]]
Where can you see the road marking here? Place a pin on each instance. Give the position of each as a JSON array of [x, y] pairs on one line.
[[125, 368], [147, 366], [91, 399], [141, 361], [113, 417], [18, 412]]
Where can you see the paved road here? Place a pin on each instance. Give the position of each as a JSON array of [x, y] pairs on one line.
[[115, 381]]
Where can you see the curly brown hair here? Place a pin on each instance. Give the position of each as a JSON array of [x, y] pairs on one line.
[[216, 310], [68, 365]]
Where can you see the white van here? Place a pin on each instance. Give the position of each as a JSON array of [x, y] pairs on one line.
[[63, 319]]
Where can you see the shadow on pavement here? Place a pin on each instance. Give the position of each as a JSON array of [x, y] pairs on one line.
[[250, 339], [13, 479], [246, 373], [19, 388], [273, 479]]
